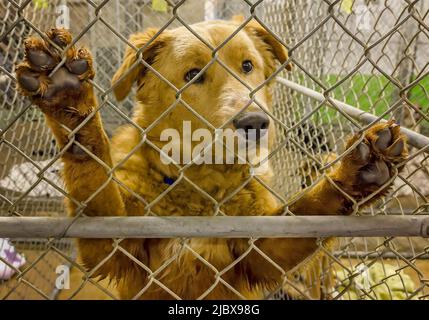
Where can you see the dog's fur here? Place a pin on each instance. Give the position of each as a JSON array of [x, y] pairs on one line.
[[67, 99]]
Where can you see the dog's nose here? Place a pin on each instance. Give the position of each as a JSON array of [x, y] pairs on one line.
[[257, 121]]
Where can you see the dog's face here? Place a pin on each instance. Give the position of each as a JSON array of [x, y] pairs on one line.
[[215, 94]]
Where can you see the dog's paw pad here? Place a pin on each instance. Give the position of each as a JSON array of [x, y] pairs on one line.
[[78, 66], [29, 82], [376, 173], [362, 153], [41, 60], [384, 138], [373, 161], [396, 149], [51, 89], [61, 80], [388, 142]]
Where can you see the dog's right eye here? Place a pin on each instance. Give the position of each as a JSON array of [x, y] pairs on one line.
[[191, 74]]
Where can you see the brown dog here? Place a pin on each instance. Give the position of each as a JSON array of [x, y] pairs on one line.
[[139, 178]]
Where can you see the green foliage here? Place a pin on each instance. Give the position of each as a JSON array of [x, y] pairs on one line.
[[41, 4], [372, 93]]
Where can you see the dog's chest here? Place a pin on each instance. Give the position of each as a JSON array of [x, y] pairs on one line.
[[190, 199]]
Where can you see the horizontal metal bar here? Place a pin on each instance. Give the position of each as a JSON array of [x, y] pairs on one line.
[[415, 139], [385, 255], [214, 227]]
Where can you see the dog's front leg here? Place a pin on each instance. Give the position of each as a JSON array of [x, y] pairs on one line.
[[367, 170], [67, 100]]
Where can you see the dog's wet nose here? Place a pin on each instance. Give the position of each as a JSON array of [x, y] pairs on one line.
[[258, 121]]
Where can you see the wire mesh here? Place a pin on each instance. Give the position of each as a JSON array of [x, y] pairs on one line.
[[370, 55]]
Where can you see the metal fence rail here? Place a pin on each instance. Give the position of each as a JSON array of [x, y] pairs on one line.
[[355, 64], [415, 139], [214, 227]]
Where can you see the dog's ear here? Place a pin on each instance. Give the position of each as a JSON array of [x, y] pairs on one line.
[[267, 42], [128, 72]]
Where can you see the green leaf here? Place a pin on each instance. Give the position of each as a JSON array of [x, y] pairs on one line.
[[159, 5], [40, 4], [347, 5]]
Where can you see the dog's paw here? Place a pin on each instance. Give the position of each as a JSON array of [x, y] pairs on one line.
[[370, 165], [66, 87]]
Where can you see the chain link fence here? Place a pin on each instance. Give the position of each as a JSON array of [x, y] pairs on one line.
[[367, 55]]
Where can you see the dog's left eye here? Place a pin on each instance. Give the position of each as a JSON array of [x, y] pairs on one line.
[[191, 74], [247, 66]]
